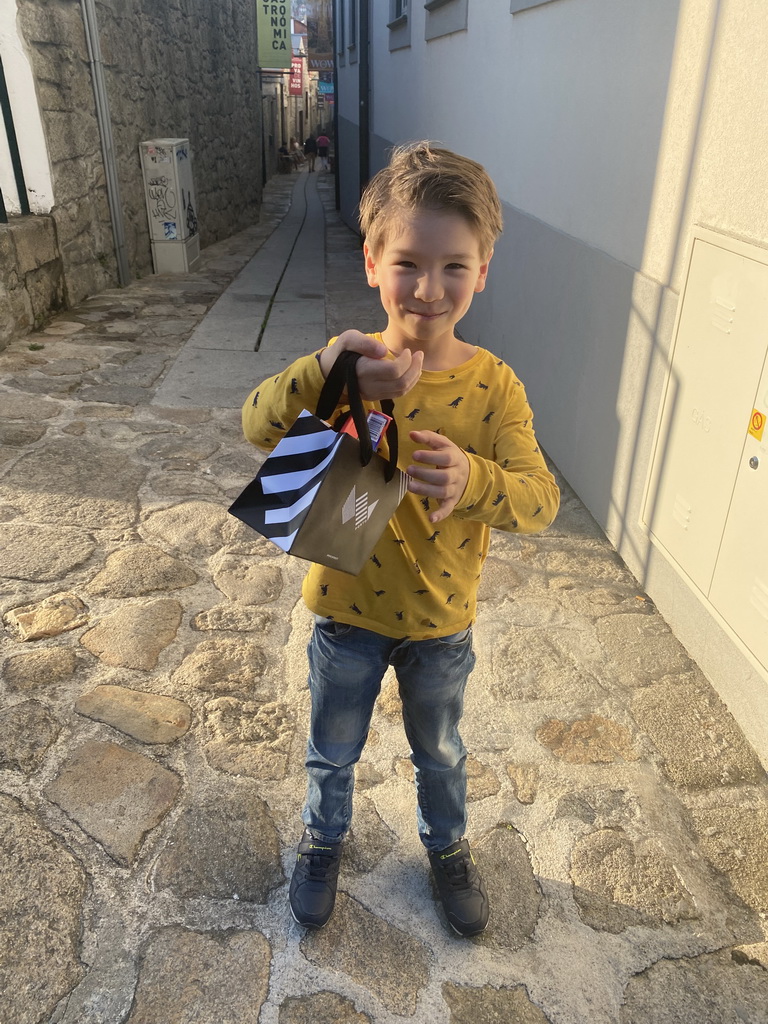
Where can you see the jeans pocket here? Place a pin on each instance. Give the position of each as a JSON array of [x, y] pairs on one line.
[[456, 639], [332, 628]]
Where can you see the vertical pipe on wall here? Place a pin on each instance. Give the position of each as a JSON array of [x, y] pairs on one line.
[[336, 176], [365, 93], [263, 119], [260, 81], [284, 133], [107, 142]]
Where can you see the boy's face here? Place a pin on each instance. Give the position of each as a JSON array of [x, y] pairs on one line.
[[427, 268]]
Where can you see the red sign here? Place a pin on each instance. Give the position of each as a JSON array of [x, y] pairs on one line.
[[296, 84]]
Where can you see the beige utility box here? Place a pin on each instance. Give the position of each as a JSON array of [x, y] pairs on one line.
[[170, 195], [707, 501]]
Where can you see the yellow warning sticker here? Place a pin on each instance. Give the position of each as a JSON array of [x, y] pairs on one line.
[[757, 424]]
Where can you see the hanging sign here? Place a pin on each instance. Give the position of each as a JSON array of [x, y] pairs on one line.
[[320, 35], [296, 82], [274, 29]]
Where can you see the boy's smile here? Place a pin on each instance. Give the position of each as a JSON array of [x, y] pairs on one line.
[[427, 269]]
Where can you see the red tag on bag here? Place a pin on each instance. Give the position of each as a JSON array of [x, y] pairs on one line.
[[377, 427]]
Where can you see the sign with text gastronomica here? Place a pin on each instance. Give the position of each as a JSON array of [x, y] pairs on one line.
[[274, 29]]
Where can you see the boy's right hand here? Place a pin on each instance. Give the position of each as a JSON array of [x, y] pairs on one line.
[[379, 376]]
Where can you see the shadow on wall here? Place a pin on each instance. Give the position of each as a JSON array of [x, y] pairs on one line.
[[588, 334], [626, 505]]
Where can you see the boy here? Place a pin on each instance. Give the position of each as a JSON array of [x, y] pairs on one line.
[[429, 220]]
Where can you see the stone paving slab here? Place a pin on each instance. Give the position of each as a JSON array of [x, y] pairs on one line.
[[147, 717], [232, 330], [153, 715], [203, 378], [293, 339], [115, 795], [41, 904], [301, 312]]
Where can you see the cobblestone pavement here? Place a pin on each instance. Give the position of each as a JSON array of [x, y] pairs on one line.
[[154, 714]]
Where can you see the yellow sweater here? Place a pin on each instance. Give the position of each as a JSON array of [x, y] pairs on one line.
[[421, 580]]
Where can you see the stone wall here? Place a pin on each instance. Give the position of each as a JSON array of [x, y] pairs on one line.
[[180, 68], [32, 279]]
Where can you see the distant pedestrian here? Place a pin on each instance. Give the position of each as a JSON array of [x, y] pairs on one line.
[[284, 160], [296, 154], [310, 151], [323, 146]]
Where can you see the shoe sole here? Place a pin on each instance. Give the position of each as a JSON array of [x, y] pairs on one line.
[[468, 935], [306, 924]]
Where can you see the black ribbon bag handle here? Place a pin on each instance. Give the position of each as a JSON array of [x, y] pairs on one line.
[[343, 377]]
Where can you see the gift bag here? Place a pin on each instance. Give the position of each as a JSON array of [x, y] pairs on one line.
[[325, 495]]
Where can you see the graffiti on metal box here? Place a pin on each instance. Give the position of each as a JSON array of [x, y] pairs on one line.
[[162, 198]]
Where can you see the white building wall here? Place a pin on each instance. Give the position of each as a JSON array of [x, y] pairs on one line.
[[714, 148], [611, 128], [26, 115]]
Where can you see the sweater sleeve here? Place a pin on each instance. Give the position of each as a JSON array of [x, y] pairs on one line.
[[274, 406], [513, 490]]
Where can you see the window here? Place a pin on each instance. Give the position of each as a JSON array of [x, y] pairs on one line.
[[341, 34], [444, 17], [523, 5], [352, 47], [399, 25]]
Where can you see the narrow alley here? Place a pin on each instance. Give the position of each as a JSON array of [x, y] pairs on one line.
[[155, 712]]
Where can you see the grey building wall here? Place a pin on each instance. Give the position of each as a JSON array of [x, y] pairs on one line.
[[348, 169], [182, 68], [612, 130]]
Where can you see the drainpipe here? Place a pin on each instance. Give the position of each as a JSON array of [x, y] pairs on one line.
[[336, 149], [107, 142], [262, 98], [365, 95]]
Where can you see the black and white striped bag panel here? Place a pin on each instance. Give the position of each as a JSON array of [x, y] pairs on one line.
[[303, 453], [276, 503]]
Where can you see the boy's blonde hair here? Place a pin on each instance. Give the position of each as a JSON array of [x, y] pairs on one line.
[[422, 176]]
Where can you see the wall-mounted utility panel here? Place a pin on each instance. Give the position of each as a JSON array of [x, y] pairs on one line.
[[706, 506]]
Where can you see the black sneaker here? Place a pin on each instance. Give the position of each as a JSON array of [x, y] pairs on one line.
[[313, 884], [460, 888]]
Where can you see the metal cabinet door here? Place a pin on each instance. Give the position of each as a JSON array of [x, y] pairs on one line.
[[739, 589], [717, 360]]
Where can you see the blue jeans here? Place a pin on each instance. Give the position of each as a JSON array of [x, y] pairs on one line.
[[346, 666]]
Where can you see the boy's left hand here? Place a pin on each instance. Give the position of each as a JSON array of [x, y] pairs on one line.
[[443, 474]]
